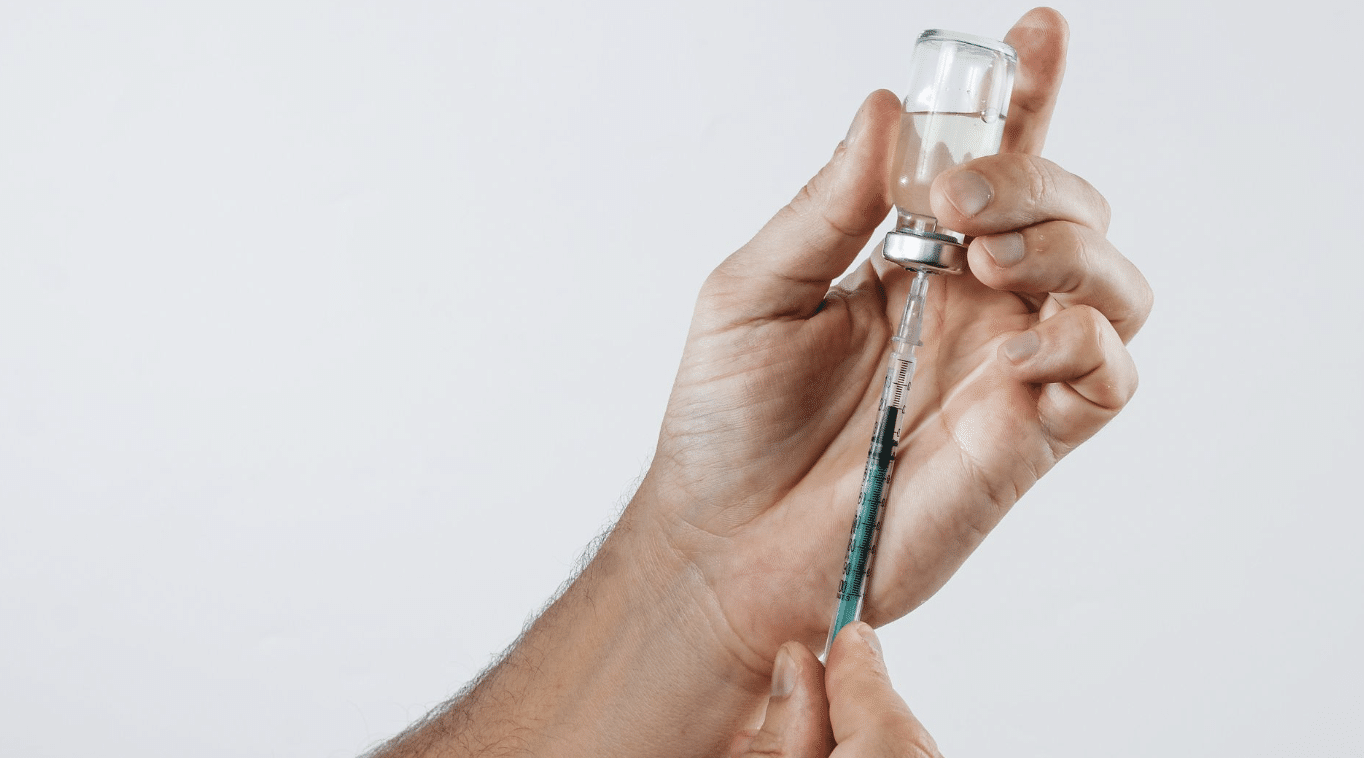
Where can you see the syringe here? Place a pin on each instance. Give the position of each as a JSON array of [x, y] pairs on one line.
[[880, 460], [955, 111]]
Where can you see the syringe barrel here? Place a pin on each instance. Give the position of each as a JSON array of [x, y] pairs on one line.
[[885, 439], [866, 528]]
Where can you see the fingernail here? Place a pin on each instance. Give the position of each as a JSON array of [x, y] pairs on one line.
[[864, 631], [783, 674], [969, 192], [1006, 249], [1021, 347]]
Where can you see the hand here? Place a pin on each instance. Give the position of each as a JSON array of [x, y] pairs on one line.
[[735, 541], [862, 717], [761, 454]]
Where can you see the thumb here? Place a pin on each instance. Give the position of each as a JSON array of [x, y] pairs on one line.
[[785, 270], [866, 714], [797, 721]]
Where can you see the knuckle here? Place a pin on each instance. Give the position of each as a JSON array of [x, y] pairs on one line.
[[813, 209], [1112, 396], [1116, 391], [805, 200], [723, 283], [1092, 325], [1105, 212], [1146, 301], [1102, 209], [1133, 318], [1081, 254], [1098, 206], [1129, 388], [1046, 182], [1114, 376], [1038, 180]]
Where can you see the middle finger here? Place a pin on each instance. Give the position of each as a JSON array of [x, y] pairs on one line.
[[1074, 264]]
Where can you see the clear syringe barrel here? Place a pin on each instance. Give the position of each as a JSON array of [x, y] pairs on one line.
[[871, 501]]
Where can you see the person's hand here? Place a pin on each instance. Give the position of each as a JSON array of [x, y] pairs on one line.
[[755, 480], [735, 541], [860, 717]]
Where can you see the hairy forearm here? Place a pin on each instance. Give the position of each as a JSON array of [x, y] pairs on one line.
[[628, 661]]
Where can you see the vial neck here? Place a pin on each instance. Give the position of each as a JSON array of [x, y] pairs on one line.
[[925, 226]]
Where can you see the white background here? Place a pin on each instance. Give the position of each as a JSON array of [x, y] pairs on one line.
[[330, 333]]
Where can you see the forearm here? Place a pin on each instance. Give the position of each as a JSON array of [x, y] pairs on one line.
[[626, 662]]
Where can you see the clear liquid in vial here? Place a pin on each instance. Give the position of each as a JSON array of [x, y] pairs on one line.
[[931, 143]]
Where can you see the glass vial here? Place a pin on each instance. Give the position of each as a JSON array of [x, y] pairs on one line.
[[955, 110]]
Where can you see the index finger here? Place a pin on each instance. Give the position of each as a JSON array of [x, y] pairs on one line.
[[1040, 38]]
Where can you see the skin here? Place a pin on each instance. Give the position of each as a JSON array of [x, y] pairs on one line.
[[733, 544], [848, 710]]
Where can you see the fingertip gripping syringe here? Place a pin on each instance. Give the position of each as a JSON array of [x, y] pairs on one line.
[[955, 111]]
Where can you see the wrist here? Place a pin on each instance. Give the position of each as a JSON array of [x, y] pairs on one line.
[[636, 637], [750, 584], [655, 560], [632, 644]]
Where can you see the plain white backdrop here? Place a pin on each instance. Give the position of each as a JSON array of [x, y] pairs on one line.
[[331, 333]]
